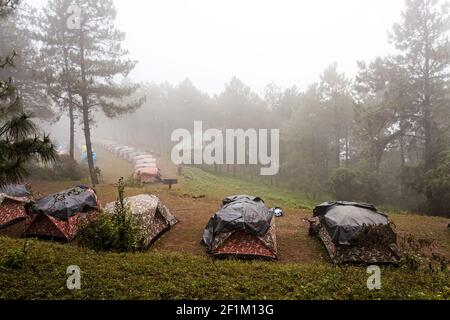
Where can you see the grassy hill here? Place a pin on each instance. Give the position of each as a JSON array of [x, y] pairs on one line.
[[199, 182]]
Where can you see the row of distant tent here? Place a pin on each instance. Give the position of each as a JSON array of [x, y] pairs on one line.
[[145, 167], [58, 216]]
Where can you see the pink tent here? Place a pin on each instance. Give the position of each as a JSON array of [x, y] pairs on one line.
[[147, 175]]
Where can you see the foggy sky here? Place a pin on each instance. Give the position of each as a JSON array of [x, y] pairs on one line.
[[259, 41]]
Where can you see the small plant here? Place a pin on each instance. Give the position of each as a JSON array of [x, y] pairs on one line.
[[130, 233], [418, 254], [114, 231], [98, 172], [100, 235]]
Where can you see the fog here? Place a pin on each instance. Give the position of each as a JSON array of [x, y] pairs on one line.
[[354, 93], [286, 42]]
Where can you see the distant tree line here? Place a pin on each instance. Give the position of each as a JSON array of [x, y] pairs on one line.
[[380, 137]]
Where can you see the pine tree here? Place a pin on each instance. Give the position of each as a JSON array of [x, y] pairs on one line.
[[95, 60], [19, 138], [57, 47], [422, 38]]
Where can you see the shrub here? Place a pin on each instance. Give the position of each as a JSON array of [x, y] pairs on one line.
[[345, 184], [64, 168], [101, 234], [419, 254], [117, 231]]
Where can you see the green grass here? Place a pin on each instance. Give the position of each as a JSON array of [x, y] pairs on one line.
[[198, 182], [163, 275], [171, 275]]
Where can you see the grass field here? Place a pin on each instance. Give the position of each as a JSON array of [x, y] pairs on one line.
[[176, 267], [162, 275]]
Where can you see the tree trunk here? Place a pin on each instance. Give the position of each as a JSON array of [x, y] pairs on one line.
[[90, 154], [336, 138], [86, 120], [427, 122], [402, 168], [72, 133], [347, 147], [71, 106]]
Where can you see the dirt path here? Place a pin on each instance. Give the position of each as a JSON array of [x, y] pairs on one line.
[[112, 168], [294, 243]]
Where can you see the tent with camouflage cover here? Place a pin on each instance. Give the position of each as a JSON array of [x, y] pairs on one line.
[[13, 199], [59, 215], [147, 175], [355, 233], [243, 228], [152, 215]]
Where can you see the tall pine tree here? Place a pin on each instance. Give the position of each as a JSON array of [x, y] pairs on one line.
[[93, 62], [422, 38]]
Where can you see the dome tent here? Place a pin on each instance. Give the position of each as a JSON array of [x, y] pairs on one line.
[[148, 174], [244, 228], [58, 216], [152, 215], [355, 233], [13, 199]]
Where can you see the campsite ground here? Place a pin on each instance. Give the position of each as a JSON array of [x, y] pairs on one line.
[[303, 270]]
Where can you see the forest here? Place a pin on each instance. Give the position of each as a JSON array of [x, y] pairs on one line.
[[381, 136]]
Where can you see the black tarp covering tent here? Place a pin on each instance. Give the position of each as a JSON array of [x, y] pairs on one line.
[[249, 220], [65, 204], [344, 220], [15, 190], [58, 215], [355, 232]]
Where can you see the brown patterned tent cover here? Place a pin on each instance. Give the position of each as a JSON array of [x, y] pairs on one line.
[[243, 245], [243, 228], [152, 214], [58, 216], [385, 252], [13, 199]]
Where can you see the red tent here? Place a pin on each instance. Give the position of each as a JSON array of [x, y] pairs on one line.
[[13, 199], [58, 216]]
